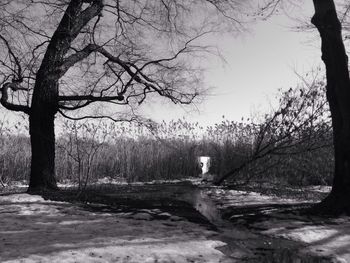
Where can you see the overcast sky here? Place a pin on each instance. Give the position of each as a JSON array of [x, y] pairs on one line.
[[258, 63]]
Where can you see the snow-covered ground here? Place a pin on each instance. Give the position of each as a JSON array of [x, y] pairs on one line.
[[106, 180], [234, 198], [329, 237], [35, 230], [322, 237]]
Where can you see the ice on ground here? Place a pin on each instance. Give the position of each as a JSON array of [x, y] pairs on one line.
[[35, 230], [329, 237], [175, 218], [21, 198], [307, 234], [142, 216], [178, 252], [320, 188], [324, 237], [164, 214], [235, 198]]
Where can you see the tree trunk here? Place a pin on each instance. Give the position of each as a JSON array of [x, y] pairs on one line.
[[45, 96], [42, 138], [338, 95], [42, 134]]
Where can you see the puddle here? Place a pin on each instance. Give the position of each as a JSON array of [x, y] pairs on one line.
[[203, 204], [193, 203], [252, 247]]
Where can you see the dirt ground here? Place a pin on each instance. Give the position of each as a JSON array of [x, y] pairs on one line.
[[166, 223]]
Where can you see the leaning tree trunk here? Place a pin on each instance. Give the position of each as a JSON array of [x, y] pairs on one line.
[[42, 134], [338, 95]]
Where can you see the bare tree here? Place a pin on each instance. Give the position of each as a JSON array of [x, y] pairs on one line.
[[329, 25], [338, 94], [60, 56], [300, 124]]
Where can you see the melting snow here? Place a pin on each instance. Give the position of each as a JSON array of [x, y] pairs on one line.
[[35, 230], [235, 198], [331, 238]]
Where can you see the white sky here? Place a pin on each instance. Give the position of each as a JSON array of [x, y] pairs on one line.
[[259, 62]]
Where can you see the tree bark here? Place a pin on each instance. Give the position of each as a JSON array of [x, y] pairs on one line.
[[46, 96], [42, 135], [338, 95]]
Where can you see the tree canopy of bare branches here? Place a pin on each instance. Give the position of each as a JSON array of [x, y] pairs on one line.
[[58, 56]]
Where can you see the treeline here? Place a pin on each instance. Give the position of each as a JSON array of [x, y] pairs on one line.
[[291, 145]]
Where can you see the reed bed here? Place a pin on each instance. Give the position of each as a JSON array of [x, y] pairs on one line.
[[130, 152]]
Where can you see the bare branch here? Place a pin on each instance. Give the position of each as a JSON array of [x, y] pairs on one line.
[[90, 97], [18, 65], [4, 98], [88, 100], [70, 26], [76, 57], [120, 119]]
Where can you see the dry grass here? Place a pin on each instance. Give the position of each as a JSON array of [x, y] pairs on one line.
[[129, 152]]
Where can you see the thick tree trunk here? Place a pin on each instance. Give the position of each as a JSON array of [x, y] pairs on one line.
[[45, 97], [42, 134], [42, 138], [338, 95]]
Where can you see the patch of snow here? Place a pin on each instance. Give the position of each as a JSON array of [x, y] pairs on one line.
[[143, 250], [175, 218], [109, 180], [320, 188], [307, 234], [327, 238], [235, 198], [35, 230], [142, 216], [66, 185], [165, 215], [21, 198], [324, 237], [19, 184], [156, 211], [125, 214]]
